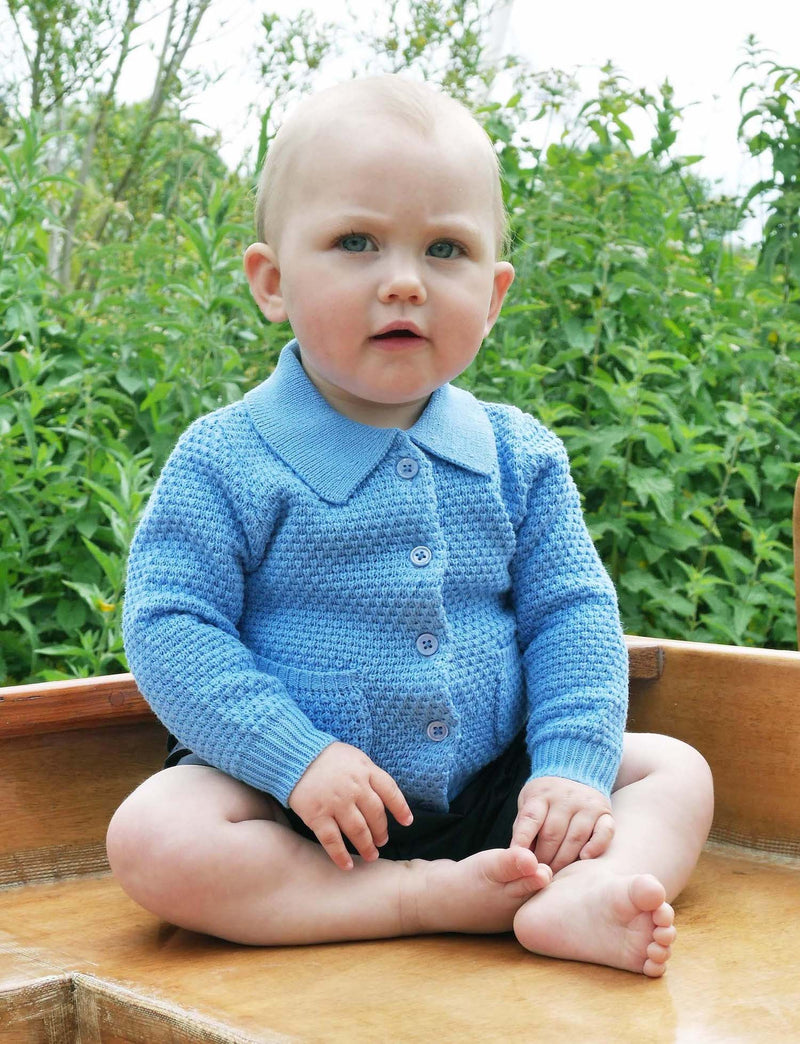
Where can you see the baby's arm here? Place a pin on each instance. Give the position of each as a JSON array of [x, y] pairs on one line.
[[207, 525], [574, 656], [343, 792], [565, 819]]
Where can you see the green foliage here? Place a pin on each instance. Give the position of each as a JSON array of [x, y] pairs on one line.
[[95, 386], [667, 360], [770, 125], [670, 365]]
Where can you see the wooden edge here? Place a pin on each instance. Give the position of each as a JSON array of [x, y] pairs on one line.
[[114, 699], [109, 1011], [64, 1008], [712, 653], [41, 1009], [645, 658], [82, 703]]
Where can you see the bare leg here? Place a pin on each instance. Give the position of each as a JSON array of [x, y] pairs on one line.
[[615, 909], [208, 853]]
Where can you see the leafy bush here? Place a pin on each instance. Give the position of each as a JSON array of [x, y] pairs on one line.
[[668, 360]]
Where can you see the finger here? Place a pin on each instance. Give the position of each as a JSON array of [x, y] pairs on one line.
[[392, 796], [579, 830], [551, 835], [354, 826], [528, 822], [601, 837], [330, 837], [374, 812]]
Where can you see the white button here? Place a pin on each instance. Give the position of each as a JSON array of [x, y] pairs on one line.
[[437, 731], [407, 467], [421, 556], [427, 644]]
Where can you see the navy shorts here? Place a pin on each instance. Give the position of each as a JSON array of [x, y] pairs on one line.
[[481, 817]]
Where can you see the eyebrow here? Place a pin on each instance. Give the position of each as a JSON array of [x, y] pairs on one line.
[[439, 225]]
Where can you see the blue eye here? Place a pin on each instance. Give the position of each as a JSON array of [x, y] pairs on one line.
[[355, 243], [444, 249]]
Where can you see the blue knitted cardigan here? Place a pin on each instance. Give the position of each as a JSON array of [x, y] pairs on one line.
[[299, 578]]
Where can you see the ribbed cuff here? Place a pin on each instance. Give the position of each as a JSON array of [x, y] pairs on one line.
[[275, 762], [571, 759]]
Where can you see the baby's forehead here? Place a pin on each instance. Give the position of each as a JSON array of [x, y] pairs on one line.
[[340, 117], [354, 113]]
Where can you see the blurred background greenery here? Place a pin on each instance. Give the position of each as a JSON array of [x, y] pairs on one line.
[[663, 351]]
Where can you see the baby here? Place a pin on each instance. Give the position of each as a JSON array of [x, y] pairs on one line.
[[367, 607]]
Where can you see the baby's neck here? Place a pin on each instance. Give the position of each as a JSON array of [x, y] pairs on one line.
[[403, 416]]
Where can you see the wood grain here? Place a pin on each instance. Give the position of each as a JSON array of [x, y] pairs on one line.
[[59, 792], [739, 708], [733, 976], [38, 1012]]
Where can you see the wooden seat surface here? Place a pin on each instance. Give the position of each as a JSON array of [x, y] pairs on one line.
[[734, 976], [80, 962], [150, 982]]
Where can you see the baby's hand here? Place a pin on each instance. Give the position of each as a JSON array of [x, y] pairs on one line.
[[343, 792], [567, 820]]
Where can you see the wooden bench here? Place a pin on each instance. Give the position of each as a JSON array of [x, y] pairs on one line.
[[80, 962]]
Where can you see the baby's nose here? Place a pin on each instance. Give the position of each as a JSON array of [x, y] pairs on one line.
[[403, 282]]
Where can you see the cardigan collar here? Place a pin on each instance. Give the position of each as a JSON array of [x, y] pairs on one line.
[[334, 454]]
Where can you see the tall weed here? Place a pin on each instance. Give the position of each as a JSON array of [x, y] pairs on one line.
[[667, 360]]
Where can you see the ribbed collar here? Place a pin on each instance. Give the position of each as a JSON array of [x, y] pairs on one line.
[[334, 454]]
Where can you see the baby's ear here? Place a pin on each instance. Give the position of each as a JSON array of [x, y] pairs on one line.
[[503, 278], [264, 276]]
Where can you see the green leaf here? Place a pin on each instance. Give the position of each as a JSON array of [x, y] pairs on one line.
[[651, 485]]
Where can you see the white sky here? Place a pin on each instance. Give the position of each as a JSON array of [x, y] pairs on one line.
[[697, 44]]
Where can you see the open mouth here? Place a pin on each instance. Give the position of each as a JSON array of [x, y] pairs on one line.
[[396, 334]]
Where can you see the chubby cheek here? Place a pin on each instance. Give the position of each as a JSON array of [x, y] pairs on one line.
[[315, 313]]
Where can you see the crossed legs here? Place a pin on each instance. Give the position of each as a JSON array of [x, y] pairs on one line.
[[208, 853]]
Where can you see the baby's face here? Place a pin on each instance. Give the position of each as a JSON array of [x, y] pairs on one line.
[[386, 262]]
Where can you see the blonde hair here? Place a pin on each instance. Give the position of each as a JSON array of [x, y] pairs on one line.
[[414, 104]]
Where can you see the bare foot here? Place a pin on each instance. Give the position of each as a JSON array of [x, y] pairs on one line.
[[478, 894], [601, 917]]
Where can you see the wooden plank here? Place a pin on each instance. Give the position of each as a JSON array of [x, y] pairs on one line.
[[59, 792], [111, 1014], [27, 710], [40, 1011], [81, 703], [729, 979], [739, 708]]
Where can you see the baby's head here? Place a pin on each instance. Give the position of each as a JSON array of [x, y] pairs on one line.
[[412, 106], [381, 223]]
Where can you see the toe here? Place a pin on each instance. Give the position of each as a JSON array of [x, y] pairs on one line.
[[663, 915], [665, 936], [647, 893], [658, 953], [653, 970], [543, 875]]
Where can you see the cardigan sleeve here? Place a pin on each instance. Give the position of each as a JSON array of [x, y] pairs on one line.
[[183, 602], [574, 656]]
